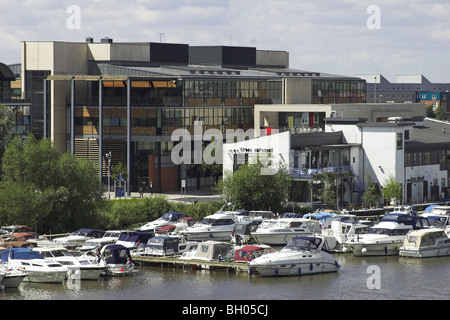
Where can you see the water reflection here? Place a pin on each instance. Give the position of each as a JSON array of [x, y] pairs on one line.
[[400, 278]]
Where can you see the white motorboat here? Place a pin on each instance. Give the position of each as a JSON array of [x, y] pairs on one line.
[[110, 237], [281, 231], [217, 226], [341, 231], [301, 256], [438, 216], [165, 219], [37, 268], [425, 243], [79, 267], [117, 260], [78, 238], [387, 236], [13, 277]]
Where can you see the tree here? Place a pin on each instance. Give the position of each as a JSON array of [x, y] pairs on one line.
[[328, 191], [392, 190], [248, 188], [372, 192], [6, 125], [47, 190]]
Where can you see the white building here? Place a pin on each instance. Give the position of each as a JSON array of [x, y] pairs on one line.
[[416, 155]]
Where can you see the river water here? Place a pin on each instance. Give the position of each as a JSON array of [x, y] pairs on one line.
[[359, 278]]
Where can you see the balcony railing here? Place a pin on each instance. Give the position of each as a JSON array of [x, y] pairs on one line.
[[310, 173]]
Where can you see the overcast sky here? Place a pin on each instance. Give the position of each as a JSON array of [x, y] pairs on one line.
[[345, 37]]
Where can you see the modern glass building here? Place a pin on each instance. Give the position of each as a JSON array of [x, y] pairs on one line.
[[129, 98]]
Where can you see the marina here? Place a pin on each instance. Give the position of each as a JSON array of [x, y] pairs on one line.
[[399, 279], [158, 268]]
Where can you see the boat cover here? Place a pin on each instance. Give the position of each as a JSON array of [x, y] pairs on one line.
[[212, 249], [135, 236], [173, 216], [245, 253], [20, 253], [116, 254], [430, 208], [321, 215]]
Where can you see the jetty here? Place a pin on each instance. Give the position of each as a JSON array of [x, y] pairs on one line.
[[177, 261]]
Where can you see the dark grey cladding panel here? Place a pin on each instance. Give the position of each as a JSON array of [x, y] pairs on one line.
[[169, 53], [304, 140]]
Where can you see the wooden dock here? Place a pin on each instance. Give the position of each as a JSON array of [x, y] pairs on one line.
[[176, 261]]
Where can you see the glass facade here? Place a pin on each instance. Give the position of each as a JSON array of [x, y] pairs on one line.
[[158, 107], [326, 91]]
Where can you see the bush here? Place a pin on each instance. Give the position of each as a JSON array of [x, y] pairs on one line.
[[132, 213]]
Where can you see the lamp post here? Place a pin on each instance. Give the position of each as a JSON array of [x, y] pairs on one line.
[[108, 156]]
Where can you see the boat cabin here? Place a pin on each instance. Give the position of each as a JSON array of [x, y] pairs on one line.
[[162, 246], [307, 243], [248, 252], [115, 254], [417, 222], [426, 238], [133, 239], [214, 250]]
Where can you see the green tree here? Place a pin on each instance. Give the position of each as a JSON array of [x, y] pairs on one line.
[[6, 124], [372, 192], [250, 188], [47, 190], [328, 191], [392, 190]]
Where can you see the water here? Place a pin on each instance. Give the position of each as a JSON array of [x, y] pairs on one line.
[[399, 278]]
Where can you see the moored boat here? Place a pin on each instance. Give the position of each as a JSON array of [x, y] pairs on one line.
[[80, 267], [117, 260], [37, 268], [78, 238], [301, 256], [425, 243], [217, 226], [165, 219], [386, 237], [281, 231]]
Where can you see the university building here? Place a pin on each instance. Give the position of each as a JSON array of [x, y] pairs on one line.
[[91, 98]]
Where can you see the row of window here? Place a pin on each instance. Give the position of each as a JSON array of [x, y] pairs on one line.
[[427, 158]]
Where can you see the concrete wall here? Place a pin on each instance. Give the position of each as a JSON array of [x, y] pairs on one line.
[[296, 91], [267, 114], [278, 144], [272, 58]]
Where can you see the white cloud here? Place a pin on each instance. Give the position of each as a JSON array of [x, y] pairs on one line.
[[324, 36]]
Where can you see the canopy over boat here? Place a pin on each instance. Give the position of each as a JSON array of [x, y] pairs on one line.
[[116, 254], [20, 253]]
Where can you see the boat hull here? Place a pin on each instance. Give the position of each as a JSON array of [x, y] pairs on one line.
[[46, 277], [278, 238], [85, 273], [208, 235], [425, 252], [294, 270], [13, 280], [375, 249]]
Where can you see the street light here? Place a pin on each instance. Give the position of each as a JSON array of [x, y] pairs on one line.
[[108, 156]]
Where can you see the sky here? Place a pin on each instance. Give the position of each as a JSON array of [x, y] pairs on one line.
[[345, 37]]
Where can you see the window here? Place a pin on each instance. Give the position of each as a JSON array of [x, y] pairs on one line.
[[399, 141]]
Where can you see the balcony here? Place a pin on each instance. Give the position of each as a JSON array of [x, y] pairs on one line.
[[308, 174]]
